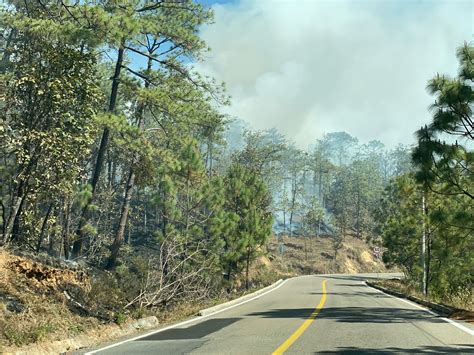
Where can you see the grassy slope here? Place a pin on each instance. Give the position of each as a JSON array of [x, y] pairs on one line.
[[318, 257]]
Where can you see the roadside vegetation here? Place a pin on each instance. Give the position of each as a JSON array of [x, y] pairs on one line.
[[125, 192], [426, 217]]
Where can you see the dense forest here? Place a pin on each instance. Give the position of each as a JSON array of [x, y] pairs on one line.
[[115, 154]]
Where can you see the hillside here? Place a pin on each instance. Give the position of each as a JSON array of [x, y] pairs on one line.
[[319, 256]]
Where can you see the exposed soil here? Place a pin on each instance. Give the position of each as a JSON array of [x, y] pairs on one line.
[[317, 256]]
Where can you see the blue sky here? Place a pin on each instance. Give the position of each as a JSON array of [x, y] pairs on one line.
[[212, 2]]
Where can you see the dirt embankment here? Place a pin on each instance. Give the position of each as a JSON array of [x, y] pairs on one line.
[[33, 301], [49, 306], [300, 256]]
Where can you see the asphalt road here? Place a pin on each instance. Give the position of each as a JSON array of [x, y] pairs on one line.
[[305, 317]]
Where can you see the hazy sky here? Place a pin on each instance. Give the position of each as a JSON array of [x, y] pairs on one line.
[[312, 67]]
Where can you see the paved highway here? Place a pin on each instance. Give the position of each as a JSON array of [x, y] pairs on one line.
[[329, 314]]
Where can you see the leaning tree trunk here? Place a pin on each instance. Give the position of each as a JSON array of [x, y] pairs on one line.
[[12, 224], [86, 213], [43, 227], [53, 238], [119, 237], [67, 222], [16, 223], [17, 202]]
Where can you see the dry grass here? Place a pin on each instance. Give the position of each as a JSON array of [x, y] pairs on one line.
[[409, 289], [317, 256], [32, 306]]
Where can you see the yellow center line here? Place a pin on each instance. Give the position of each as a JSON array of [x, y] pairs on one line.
[[288, 342]]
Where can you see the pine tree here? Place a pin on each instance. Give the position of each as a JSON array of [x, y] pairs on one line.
[[248, 200], [440, 160], [164, 33]]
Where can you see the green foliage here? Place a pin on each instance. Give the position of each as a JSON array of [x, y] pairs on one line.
[[83, 195], [247, 202], [441, 159], [449, 233], [50, 112], [120, 318], [89, 229], [354, 194], [400, 218], [313, 217]]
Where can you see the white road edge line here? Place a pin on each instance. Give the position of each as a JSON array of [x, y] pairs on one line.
[[456, 324], [185, 322]]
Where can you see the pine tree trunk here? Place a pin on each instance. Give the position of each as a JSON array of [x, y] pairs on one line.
[[426, 247], [164, 261], [16, 222], [145, 213], [320, 186], [4, 217], [119, 237], [247, 285], [206, 163], [293, 201], [210, 159], [43, 228], [423, 248], [109, 173], [52, 239], [314, 183], [12, 225], [86, 215], [65, 236], [229, 271], [17, 202], [358, 214]]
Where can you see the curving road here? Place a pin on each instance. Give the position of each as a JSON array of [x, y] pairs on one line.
[[328, 314]]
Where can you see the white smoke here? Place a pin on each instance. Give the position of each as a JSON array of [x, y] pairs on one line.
[[312, 67]]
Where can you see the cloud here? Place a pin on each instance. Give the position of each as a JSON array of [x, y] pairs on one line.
[[311, 67]]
